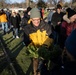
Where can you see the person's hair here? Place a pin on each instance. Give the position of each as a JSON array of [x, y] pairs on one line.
[[2, 11], [58, 6]]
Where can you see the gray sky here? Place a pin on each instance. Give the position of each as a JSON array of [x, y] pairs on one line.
[[24, 0]]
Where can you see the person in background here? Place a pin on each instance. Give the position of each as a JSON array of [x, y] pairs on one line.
[[68, 25], [15, 23], [3, 21], [49, 17], [24, 21], [72, 24], [42, 12], [56, 21], [26, 17], [19, 19], [8, 17]]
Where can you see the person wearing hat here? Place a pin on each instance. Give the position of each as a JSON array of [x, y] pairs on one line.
[[24, 21], [68, 25], [71, 14], [71, 24], [36, 25], [26, 17]]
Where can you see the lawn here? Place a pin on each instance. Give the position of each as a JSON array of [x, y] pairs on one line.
[[17, 53]]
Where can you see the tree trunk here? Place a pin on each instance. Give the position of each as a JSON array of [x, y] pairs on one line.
[[73, 1], [27, 3]]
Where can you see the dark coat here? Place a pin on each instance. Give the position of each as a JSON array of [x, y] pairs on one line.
[[29, 29], [67, 28], [14, 21], [25, 19], [19, 17], [56, 18], [69, 68]]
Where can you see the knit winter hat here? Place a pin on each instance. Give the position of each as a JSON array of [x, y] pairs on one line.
[[70, 43], [35, 13], [70, 12]]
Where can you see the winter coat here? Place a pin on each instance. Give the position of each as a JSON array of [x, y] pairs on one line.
[[29, 29], [56, 18], [3, 18], [65, 31], [19, 17], [67, 28], [14, 21], [26, 17]]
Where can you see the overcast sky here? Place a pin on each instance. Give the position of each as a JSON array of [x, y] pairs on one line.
[[19, 1]]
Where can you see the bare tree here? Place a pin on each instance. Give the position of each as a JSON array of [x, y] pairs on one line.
[[41, 3], [2, 3], [27, 3], [8, 1], [55, 1], [73, 1], [52, 1]]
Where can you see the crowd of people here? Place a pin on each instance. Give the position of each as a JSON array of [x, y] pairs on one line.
[[60, 26]]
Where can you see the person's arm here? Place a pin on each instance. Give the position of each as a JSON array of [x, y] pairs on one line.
[[26, 39]]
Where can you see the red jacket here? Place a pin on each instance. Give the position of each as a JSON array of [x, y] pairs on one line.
[[69, 27]]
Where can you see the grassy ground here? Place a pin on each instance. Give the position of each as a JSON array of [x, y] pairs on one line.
[[17, 52]]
